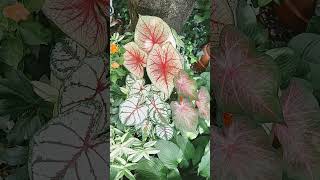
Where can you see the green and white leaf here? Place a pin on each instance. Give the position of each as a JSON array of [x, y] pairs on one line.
[[159, 111], [164, 132], [133, 111], [131, 79]]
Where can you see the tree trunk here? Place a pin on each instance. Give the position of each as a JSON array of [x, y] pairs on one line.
[[173, 12]]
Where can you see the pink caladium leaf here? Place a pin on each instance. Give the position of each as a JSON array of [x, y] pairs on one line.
[[85, 21], [203, 103], [245, 82], [184, 115], [151, 30], [300, 136], [242, 152], [135, 59], [185, 85], [163, 64]]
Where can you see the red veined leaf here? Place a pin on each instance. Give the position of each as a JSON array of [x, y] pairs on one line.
[[164, 132], [67, 148], [184, 115], [203, 103], [185, 85], [222, 14], [245, 82], [151, 30], [242, 152], [135, 59], [163, 64], [85, 21], [88, 82], [133, 111], [159, 111], [300, 136]]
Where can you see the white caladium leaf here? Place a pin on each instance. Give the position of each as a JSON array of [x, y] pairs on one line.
[[242, 152], [159, 111], [203, 103], [185, 85], [185, 116], [131, 79], [133, 111], [66, 148], [146, 128], [163, 65], [88, 82], [155, 90], [299, 138], [164, 132], [85, 21], [138, 88], [66, 56], [150, 31], [135, 59]]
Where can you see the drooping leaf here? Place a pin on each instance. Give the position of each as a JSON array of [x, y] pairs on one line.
[[203, 103], [300, 136], [163, 64], [244, 82], [135, 59], [85, 21], [159, 111], [204, 165], [243, 151], [186, 147], [307, 46], [185, 85], [164, 132], [151, 30], [67, 147], [169, 154], [184, 115], [87, 82], [133, 111]]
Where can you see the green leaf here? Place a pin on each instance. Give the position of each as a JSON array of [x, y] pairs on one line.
[[34, 33], [200, 144], [169, 154], [245, 14], [14, 156], [186, 147], [307, 45], [204, 165], [33, 5], [129, 175], [151, 169], [262, 3], [314, 25], [174, 174], [20, 173], [256, 33], [11, 51], [315, 75], [45, 91]]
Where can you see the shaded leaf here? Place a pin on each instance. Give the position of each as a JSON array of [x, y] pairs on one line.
[[151, 169], [243, 152], [203, 103]]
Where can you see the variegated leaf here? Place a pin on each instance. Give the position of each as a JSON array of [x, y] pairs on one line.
[[184, 115], [159, 111], [133, 111], [135, 59], [164, 132], [185, 85]]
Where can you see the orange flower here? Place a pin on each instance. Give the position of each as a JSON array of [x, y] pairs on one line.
[[16, 12], [114, 48], [115, 65]]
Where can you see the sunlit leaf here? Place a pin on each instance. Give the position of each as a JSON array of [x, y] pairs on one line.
[[135, 59], [163, 65], [185, 85], [185, 116], [159, 111], [164, 132], [133, 111]]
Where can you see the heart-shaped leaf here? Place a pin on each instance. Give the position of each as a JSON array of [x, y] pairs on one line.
[[242, 151], [67, 149], [88, 82], [245, 82], [138, 88], [163, 64], [164, 132], [150, 31], [185, 116], [203, 103], [133, 111], [185, 85], [131, 79], [169, 154], [159, 111], [85, 21], [300, 136], [135, 59]]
